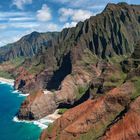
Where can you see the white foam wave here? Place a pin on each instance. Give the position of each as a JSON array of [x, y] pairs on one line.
[[23, 95], [19, 93], [7, 83], [15, 91], [42, 123]]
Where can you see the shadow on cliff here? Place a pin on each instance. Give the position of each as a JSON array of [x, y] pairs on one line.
[[85, 97], [61, 73]]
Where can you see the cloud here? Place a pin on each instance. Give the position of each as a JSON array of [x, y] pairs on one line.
[[8, 17], [2, 26], [20, 3], [74, 14], [84, 4], [45, 27], [7, 38], [31, 26], [44, 14], [52, 27], [25, 25], [61, 1], [18, 25], [12, 14], [81, 15], [21, 19], [71, 24]]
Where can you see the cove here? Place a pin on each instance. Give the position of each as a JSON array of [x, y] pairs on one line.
[[9, 129]]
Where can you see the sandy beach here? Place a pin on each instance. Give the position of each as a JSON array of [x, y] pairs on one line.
[[54, 116], [7, 81]]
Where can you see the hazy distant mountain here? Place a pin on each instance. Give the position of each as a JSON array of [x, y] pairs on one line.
[[27, 46]]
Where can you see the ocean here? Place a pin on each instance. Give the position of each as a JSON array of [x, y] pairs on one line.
[[9, 129]]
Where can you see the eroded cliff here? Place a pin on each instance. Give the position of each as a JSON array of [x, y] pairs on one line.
[[91, 69]]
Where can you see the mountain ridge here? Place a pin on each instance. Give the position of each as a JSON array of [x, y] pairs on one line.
[[92, 65], [110, 34], [27, 46]]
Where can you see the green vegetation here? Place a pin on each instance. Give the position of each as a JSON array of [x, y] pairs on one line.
[[5, 74], [34, 69], [6, 67], [62, 111], [117, 59], [110, 84], [17, 61], [50, 128], [136, 81], [88, 58], [115, 80], [81, 91], [96, 132]]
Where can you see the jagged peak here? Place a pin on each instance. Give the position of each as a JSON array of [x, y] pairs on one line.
[[123, 3], [34, 33], [112, 6]]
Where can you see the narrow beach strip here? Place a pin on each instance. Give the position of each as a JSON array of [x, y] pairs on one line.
[[7, 81]]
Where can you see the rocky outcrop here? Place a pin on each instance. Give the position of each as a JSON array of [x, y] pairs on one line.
[[77, 87], [67, 95], [37, 105], [25, 78], [90, 119], [128, 127]]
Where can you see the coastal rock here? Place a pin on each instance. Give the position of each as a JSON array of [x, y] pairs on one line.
[[76, 87], [37, 106], [90, 119], [25, 81]]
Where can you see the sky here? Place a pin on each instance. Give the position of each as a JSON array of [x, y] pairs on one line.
[[21, 17]]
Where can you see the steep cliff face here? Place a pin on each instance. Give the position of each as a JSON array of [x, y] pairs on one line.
[[128, 127], [90, 119], [74, 61], [121, 122], [112, 116], [27, 46], [114, 31], [111, 33]]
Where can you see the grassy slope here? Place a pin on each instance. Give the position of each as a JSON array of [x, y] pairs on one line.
[[7, 67]]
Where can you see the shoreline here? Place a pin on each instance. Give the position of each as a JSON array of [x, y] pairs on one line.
[[43, 122], [11, 83], [7, 81], [20, 93]]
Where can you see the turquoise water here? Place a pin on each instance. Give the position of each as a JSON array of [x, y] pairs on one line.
[[10, 130]]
